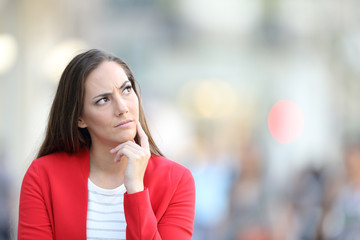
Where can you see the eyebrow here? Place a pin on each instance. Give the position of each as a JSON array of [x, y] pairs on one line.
[[107, 93]]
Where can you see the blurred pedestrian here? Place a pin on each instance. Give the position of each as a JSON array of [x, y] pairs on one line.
[[5, 200], [342, 221]]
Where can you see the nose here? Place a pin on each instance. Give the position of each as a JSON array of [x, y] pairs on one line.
[[120, 106]]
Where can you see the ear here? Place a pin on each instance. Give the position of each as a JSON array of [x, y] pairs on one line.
[[81, 123]]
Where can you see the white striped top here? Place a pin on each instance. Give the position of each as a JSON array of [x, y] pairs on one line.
[[105, 215]]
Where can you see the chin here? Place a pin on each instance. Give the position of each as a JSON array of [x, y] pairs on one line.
[[126, 138]]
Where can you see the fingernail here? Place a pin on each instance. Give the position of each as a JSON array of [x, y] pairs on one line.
[[112, 150]]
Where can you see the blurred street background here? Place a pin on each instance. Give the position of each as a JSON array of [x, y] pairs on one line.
[[210, 71]]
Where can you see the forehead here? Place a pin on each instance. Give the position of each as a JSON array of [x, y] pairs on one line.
[[105, 77]]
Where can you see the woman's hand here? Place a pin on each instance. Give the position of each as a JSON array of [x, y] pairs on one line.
[[137, 160]]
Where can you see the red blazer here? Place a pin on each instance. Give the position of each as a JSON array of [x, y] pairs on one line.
[[54, 198]]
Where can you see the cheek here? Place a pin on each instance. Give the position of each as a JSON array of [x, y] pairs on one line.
[[95, 118]]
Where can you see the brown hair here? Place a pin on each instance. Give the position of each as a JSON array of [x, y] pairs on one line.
[[63, 133]]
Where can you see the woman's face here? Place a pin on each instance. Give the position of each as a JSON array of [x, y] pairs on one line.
[[111, 107]]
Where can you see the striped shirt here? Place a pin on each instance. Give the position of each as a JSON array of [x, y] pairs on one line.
[[105, 215]]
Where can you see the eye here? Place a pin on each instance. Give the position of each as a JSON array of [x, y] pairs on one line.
[[127, 89], [102, 101]]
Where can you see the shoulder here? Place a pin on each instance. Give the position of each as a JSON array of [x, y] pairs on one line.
[[59, 163], [57, 173], [163, 164], [40, 171], [46, 162], [51, 159], [167, 182], [162, 169]]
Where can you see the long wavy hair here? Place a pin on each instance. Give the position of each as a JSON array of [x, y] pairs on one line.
[[63, 133]]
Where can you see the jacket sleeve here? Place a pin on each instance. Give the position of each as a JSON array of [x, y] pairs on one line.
[[175, 224], [34, 222]]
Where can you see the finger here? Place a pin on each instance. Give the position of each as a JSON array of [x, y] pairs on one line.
[[144, 141], [118, 157], [116, 149], [131, 152], [130, 143], [120, 149]]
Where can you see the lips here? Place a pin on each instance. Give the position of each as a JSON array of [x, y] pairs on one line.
[[124, 124]]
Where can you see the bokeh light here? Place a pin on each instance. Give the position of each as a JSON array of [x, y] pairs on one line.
[[286, 121], [208, 99], [8, 51], [59, 57]]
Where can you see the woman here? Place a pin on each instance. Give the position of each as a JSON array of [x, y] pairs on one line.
[[99, 174]]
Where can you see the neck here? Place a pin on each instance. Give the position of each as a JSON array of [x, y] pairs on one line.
[[104, 172]]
